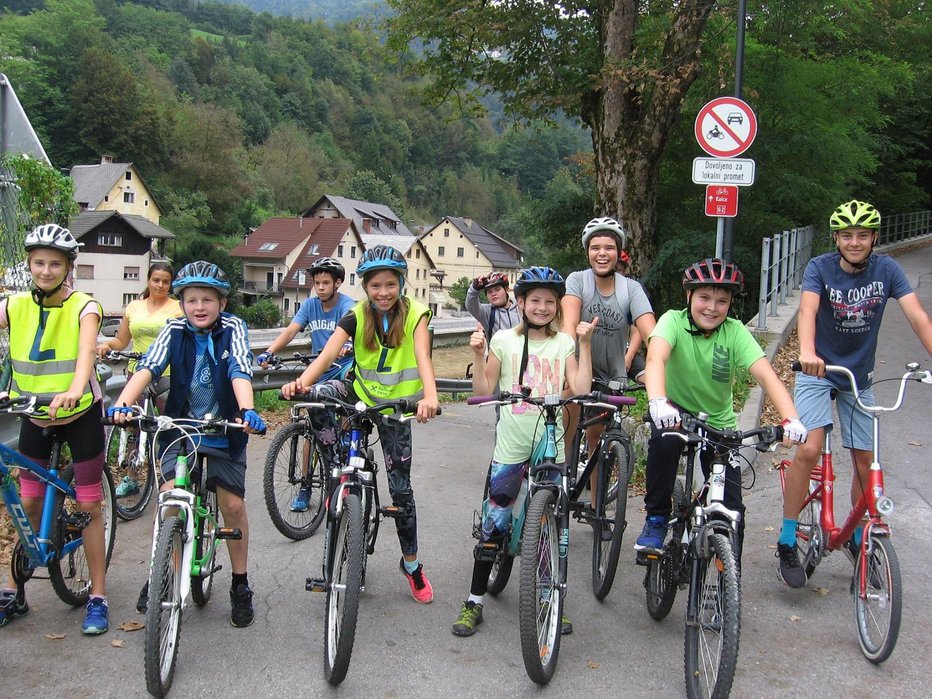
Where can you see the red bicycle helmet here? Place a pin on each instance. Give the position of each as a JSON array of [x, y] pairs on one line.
[[714, 272]]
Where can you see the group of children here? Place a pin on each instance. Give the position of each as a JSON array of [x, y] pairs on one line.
[[556, 337]]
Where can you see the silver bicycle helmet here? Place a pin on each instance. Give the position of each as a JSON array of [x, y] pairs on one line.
[[53, 237], [604, 225]]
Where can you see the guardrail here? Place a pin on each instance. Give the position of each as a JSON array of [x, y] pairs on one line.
[[902, 227], [783, 260]]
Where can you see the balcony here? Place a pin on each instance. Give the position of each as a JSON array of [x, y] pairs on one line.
[[260, 288]]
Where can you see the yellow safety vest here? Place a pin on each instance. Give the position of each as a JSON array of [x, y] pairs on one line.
[[387, 373], [44, 351]]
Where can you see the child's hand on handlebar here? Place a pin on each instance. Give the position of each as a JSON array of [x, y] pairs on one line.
[[119, 415], [812, 364], [293, 388], [663, 413], [264, 358], [427, 409], [103, 350], [794, 432], [252, 421]]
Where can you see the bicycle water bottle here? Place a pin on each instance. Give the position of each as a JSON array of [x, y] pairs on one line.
[[181, 470]]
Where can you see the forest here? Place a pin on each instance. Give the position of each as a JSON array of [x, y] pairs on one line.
[[233, 116]]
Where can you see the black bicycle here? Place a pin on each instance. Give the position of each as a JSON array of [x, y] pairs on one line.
[[354, 512], [700, 553]]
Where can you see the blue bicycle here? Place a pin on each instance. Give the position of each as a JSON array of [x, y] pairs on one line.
[[58, 544]]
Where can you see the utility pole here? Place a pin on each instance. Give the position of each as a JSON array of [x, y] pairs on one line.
[[728, 238]]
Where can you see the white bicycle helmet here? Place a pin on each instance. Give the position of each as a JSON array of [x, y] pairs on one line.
[[53, 237], [605, 224]]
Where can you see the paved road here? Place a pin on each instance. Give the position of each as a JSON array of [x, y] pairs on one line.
[[791, 641]]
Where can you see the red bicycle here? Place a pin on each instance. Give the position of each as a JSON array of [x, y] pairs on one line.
[[876, 585]]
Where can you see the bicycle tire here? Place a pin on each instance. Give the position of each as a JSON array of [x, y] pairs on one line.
[[134, 465], [611, 502], [343, 591], [713, 622], [501, 572], [202, 585], [878, 613], [660, 578], [164, 613], [540, 609], [810, 541], [69, 573], [282, 480]]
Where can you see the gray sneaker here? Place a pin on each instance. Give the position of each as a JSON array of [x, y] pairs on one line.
[[790, 571]]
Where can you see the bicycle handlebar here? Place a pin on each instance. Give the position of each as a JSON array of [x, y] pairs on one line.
[[692, 425], [117, 355], [343, 407], [913, 373], [206, 425], [595, 399], [23, 404]]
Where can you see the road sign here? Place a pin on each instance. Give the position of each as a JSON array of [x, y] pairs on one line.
[[721, 200], [726, 127], [736, 171]]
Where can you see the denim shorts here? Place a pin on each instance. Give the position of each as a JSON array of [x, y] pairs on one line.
[[222, 471], [813, 401]]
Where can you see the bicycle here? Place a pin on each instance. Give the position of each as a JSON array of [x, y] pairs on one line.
[[292, 467], [353, 516], [612, 461], [877, 585], [58, 544], [700, 555], [184, 542], [540, 532], [128, 455]]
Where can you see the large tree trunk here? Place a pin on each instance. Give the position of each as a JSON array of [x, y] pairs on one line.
[[632, 113]]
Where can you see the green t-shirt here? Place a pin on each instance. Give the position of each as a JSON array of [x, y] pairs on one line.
[[521, 426], [701, 370]]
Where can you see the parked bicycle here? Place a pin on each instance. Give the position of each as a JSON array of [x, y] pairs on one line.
[[877, 586], [354, 512], [540, 531], [58, 544], [700, 554], [184, 541], [127, 455]]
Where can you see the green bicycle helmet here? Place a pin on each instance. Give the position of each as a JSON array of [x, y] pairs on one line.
[[855, 214]]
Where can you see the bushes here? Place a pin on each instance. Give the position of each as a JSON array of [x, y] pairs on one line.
[[262, 314]]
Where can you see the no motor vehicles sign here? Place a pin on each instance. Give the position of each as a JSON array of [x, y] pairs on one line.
[[726, 127]]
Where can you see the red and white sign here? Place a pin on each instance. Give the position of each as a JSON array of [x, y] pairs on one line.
[[721, 200], [726, 127]]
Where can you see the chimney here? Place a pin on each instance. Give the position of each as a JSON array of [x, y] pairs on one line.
[[367, 225], [467, 221], [106, 159]]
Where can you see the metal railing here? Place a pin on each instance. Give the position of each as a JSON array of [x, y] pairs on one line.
[[783, 260], [902, 227]]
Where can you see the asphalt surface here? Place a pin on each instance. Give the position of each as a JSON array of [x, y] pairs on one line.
[[792, 641]]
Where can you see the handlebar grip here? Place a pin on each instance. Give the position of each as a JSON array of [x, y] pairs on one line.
[[619, 400], [796, 366], [476, 400]]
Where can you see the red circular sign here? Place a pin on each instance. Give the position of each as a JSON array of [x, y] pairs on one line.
[[726, 127]]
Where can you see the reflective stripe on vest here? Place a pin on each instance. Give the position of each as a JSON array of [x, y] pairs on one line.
[[45, 351], [388, 373]]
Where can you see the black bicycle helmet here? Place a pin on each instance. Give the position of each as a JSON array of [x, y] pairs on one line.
[[53, 237], [327, 264], [202, 273], [381, 257], [495, 279], [714, 272], [540, 278]]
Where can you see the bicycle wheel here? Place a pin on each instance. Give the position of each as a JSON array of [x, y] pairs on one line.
[[878, 610], [809, 540], [713, 622], [611, 501], [343, 591], [501, 571], [659, 582], [293, 463], [205, 543], [69, 572], [132, 470], [163, 616], [541, 600]]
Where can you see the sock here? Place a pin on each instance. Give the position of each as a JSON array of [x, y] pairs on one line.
[[239, 579], [476, 598], [858, 535], [788, 532], [410, 566], [101, 597]]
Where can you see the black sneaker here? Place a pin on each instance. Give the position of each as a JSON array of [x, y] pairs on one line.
[[790, 571], [241, 613], [142, 602]]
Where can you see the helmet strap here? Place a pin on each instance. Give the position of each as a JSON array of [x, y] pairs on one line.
[[524, 353], [694, 328]]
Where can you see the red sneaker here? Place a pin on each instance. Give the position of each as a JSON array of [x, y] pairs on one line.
[[421, 590]]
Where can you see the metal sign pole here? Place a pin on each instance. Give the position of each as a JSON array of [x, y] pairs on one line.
[[728, 250]]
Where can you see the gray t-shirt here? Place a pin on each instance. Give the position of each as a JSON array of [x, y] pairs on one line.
[[616, 312], [503, 319]]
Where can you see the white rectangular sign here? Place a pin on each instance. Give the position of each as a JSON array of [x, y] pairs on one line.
[[736, 171]]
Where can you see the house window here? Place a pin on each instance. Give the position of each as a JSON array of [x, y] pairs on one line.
[[113, 240], [477, 254], [129, 175], [85, 272], [460, 252], [267, 247], [352, 252], [131, 273], [128, 299], [417, 254], [352, 279], [340, 250], [129, 197], [446, 232], [314, 250], [146, 202], [440, 251], [287, 305], [417, 273], [106, 197]]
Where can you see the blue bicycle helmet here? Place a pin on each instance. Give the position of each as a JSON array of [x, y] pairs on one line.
[[381, 257], [202, 273], [540, 278]]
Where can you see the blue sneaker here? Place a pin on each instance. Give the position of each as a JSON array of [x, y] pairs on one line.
[[96, 620], [128, 486], [653, 534], [301, 501]]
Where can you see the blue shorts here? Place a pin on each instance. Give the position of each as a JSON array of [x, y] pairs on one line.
[[222, 471], [813, 401]]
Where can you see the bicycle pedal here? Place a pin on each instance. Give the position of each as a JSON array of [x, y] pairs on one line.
[[390, 511], [75, 521], [315, 585], [647, 556], [229, 533]]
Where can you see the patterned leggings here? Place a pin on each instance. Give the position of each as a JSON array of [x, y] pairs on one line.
[[396, 450]]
